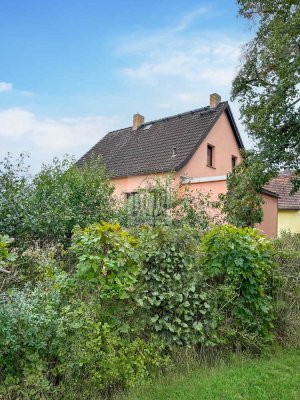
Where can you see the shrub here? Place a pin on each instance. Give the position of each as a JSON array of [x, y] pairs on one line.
[[287, 256], [6, 256], [55, 345], [94, 357], [64, 196], [238, 264], [28, 325], [107, 259], [243, 201], [14, 193], [48, 206], [108, 265], [7, 261], [173, 292]]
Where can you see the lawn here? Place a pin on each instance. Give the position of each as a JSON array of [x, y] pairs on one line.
[[276, 377]]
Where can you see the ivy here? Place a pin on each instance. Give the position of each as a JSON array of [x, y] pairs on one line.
[[173, 293], [238, 263]]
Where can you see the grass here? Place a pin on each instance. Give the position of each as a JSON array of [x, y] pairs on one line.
[[276, 377]]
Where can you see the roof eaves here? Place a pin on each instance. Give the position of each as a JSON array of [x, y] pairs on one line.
[[289, 208], [270, 193], [234, 126]]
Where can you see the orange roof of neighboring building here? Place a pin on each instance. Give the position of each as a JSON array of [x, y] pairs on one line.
[[282, 185]]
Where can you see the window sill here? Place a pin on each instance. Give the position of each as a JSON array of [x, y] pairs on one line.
[[211, 166]]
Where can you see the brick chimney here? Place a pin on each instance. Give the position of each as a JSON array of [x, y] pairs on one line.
[[138, 120], [215, 100]]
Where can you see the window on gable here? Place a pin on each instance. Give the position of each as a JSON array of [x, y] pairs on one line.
[[233, 162], [210, 155]]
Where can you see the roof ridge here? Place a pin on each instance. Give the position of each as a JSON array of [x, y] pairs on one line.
[[205, 108], [118, 130]]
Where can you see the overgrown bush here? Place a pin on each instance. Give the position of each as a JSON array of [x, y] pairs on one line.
[[14, 193], [65, 337], [112, 316], [64, 196], [6, 256], [48, 206], [173, 291], [7, 260], [107, 266], [287, 256], [107, 258], [238, 264]]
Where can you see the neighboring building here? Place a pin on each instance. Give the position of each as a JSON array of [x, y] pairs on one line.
[[288, 205], [199, 146]]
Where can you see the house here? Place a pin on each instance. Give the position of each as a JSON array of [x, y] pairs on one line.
[[199, 146], [288, 205]]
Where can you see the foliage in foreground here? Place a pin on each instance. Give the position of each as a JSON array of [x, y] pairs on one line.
[[49, 205], [6, 257], [173, 291], [239, 264], [287, 256], [65, 336], [130, 299]]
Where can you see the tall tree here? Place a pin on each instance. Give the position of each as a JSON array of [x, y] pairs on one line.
[[242, 203], [268, 83]]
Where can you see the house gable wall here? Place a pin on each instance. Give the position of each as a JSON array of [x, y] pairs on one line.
[[224, 143]]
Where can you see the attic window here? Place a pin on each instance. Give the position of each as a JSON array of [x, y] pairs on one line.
[[233, 162], [174, 152], [147, 127], [210, 155]]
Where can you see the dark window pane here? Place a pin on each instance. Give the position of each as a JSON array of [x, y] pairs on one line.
[[233, 162], [209, 156]]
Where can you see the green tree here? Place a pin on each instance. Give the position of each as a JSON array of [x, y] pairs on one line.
[[49, 205], [14, 193], [64, 196], [242, 204], [267, 85]]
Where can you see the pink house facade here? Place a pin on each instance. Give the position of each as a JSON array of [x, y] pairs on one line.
[[200, 147]]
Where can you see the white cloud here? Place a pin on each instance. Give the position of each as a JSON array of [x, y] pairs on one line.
[[48, 137], [6, 87], [15, 122], [26, 93], [196, 59], [176, 68], [180, 63], [188, 19]]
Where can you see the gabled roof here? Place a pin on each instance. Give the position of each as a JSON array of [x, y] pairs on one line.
[[283, 186], [151, 148]]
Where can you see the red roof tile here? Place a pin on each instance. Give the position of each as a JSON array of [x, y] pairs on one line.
[[283, 186]]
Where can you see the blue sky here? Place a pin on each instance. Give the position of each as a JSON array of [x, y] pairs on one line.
[[72, 70]]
